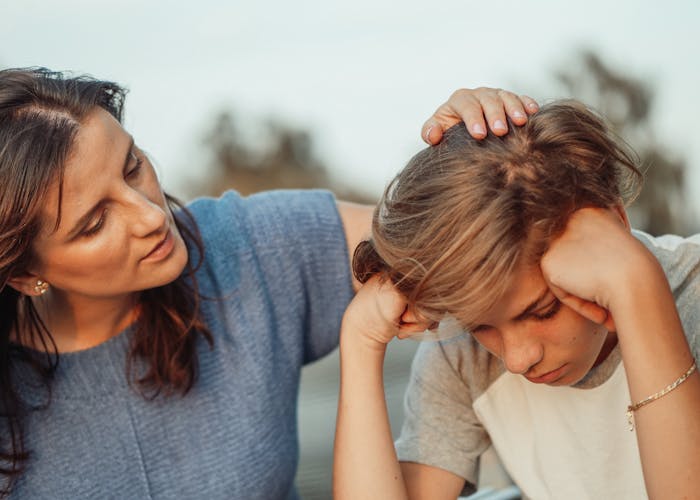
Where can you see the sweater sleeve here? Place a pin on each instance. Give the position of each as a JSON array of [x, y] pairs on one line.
[[284, 252]]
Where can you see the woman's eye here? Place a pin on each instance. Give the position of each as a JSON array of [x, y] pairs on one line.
[[95, 228], [134, 171], [548, 312]]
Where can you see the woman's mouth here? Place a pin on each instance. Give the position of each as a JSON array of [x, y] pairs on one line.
[[162, 249]]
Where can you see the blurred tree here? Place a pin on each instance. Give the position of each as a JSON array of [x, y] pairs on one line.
[[283, 158], [626, 102]]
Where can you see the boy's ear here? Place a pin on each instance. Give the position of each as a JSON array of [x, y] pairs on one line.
[[622, 213], [413, 322], [28, 284]]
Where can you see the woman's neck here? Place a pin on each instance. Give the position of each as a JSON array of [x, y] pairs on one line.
[[78, 322]]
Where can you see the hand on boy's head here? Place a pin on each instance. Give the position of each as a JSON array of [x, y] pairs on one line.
[[479, 108]]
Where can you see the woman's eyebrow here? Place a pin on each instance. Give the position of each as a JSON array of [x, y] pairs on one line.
[[532, 306]]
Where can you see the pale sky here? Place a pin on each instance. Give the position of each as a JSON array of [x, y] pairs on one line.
[[361, 75]]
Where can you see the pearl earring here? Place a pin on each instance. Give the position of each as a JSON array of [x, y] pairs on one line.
[[41, 287]]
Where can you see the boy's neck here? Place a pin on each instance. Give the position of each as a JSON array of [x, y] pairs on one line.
[[608, 346]]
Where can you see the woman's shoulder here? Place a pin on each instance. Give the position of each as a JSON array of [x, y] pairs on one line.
[[264, 219]]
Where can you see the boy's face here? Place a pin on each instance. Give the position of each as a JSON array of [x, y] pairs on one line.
[[540, 338]]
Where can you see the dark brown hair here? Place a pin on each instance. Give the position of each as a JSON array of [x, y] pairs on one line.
[[40, 114], [456, 221]]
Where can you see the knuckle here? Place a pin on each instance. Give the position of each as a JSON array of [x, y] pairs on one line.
[[444, 107], [460, 97], [465, 99], [506, 95], [491, 99], [459, 93]]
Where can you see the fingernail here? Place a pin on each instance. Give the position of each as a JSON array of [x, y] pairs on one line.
[[518, 114], [478, 129], [427, 134], [532, 106], [499, 125]]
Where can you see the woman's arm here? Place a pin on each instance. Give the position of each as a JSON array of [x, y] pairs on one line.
[[365, 463], [357, 221], [598, 264]]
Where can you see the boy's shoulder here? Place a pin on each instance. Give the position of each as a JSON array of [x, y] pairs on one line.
[[680, 259], [473, 365]]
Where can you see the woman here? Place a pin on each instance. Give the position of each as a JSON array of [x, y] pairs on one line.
[[579, 330], [147, 349]]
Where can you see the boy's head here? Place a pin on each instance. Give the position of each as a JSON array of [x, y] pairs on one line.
[[458, 222]]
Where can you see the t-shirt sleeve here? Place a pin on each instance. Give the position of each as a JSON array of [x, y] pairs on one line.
[[680, 259], [440, 427], [687, 292], [285, 253]]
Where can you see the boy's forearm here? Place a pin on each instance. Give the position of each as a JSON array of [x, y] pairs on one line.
[[656, 353], [365, 463]]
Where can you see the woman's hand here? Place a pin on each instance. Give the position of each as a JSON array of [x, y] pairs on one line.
[[476, 108], [593, 260]]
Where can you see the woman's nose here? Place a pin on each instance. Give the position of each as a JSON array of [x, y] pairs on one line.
[[147, 215]]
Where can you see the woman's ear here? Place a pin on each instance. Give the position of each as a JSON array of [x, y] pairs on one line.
[[28, 284]]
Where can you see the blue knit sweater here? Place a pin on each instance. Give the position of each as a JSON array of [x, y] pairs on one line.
[[277, 265]]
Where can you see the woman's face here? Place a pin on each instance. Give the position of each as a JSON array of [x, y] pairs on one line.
[[540, 338], [116, 233]]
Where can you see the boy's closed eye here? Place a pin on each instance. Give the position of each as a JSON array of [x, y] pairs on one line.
[[548, 311]]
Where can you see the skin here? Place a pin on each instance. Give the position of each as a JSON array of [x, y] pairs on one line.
[[606, 280], [479, 109], [549, 336]]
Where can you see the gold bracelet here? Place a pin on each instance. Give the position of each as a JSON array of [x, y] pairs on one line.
[[632, 408]]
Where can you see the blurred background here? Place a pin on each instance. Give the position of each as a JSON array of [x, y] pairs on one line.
[[257, 95]]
